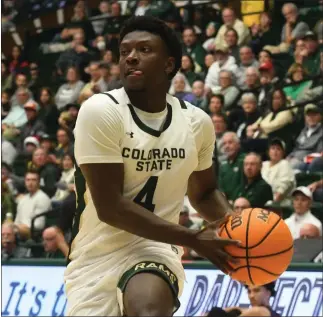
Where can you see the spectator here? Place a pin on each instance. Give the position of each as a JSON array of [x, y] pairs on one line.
[[302, 200], [97, 83], [276, 123], [293, 29], [264, 33], [105, 72], [208, 61], [16, 61], [193, 48], [299, 87], [6, 77], [104, 9], [277, 172], [48, 112], [265, 57], [109, 57], [228, 90], [220, 128], [187, 69], [9, 244], [78, 55], [199, 98], [223, 62], [230, 20], [5, 104], [310, 139], [240, 204], [230, 172], [65, 145], [253, 186], [8, 193], [312, 52], [69, 92], [20, 82], [186, 221], [66, 182], [47, 143], [8, 152], [309, 231], [210, 33], [247, 59], [48, 172], [34, 126], [231, 38], [54, 243], [181, 89], [317, 189], [68, 117], [35, 82], [115, 81], [32, 204], [252, 81], [216, 104], [300, 51], [249, 116]]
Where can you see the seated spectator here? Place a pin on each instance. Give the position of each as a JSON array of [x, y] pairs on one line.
[[252, 81], [181, 89], [312, 54], [317, 189], [96, 84], [65, 145], [8, 194], [69, 92], [68, 117], [216, 104], [54, 244], [78, 55], [16, 61], [310, 139], [20, 82], [48, 172], [48, 112], [231, 38], [104, 12], [210, 33], [247, 59], [186, 221], [188, 68], [198, 91], [228, 90], [276, 123], [277, 172], [230, 20], [309, 231], [249, 116], [299, 51], [240, 204], [220, 128], [66, 183], [264, 33], [292, 30], [6, 77], [302, 200], [115, 81], [223, 62], [296, 75], [193, 48], [9, 244], [265, 57], [252, 186], [34, 125], [35, 82], [8, 152], [230, 171], [5, 104], [32, 204], [208, 61], [48, 143]]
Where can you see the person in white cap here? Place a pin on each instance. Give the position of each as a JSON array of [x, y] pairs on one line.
[[302, 200]]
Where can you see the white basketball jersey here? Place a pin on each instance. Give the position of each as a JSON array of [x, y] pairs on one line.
[[157, 164]]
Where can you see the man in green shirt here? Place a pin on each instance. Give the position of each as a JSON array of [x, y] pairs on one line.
[[253, 187], [312, 61], [231, 170]]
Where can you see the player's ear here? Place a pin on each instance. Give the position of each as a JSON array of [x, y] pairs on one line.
[[170, 65]]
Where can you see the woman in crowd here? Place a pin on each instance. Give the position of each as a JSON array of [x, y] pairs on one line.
[[188, 68]]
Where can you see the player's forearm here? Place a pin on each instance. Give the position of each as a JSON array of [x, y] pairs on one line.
[[212, 206], [130, 217]]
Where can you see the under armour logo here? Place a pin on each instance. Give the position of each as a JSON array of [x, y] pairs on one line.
[[130, 134]]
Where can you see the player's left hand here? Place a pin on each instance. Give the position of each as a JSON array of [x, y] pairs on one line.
[[211, 246]]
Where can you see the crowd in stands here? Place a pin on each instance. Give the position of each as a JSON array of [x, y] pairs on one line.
[[262, 86]]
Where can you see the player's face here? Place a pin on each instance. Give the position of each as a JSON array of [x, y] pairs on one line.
[[143, 61], [258, 295]]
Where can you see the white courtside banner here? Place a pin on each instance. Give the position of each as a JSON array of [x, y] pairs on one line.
[[39, 291]]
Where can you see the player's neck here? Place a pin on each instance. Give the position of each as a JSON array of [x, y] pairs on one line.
[[148, 101]]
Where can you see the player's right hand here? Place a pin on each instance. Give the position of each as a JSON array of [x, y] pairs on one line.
[[211, 246]]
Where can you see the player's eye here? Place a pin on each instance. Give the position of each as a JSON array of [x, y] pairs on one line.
[[124, 52], [146, 49]]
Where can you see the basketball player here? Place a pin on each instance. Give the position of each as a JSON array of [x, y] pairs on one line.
[[140, 150]]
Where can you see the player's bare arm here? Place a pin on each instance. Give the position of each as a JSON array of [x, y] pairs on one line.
[[105, 182], [205, 197]]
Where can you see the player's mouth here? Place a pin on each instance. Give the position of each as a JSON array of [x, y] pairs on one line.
[[134, 72]]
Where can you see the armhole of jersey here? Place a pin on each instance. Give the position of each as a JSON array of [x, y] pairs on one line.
[[111, 97], [183, 104], [80, 189]]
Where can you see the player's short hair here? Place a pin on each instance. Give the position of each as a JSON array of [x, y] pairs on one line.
[[270, 287], [158, 27]]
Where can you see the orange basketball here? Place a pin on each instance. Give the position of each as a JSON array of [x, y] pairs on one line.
[[266, 245]]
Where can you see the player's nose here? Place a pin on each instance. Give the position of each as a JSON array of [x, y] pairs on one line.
[[132, 58]]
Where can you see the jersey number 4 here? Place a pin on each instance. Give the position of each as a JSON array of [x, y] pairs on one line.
[[146, 195]]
